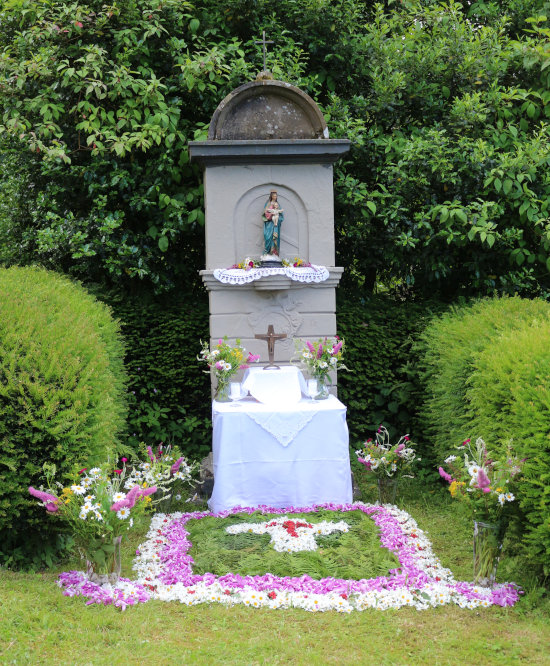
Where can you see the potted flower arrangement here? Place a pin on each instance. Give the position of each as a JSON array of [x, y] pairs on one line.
[[486, 486], [225, 360], [386, 462], [98, 512], [319, 359]]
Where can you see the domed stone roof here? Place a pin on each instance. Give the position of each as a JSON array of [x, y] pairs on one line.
[[267, 109]]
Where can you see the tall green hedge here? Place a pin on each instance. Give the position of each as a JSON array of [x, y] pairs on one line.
[[381, 385], [62, 386], [168, 392], [487, 374]]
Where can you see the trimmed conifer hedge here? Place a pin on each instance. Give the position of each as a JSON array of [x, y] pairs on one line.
[[487, 374], [62, 386]]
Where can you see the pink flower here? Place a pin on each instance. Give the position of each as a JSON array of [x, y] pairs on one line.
[[176, 466], [399, 449], [150, 452], [310, 347], [220, 341], [336, 349], [50, 501], [124, 460], [118, 471], [320, 351], [466, 441], [83, 470], [253, 358], [219, 365], [135, 493], [483, 480], [443, 474], [78, 24]]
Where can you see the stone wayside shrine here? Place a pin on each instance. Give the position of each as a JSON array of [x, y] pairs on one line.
[[268, 187]]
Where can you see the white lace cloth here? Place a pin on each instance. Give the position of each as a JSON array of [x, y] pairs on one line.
[[279, 425], [239, 276], [296, 455]]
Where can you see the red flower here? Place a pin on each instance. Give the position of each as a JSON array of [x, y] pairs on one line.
[[272, 595], [344, 596], [118, 471], [83, 470], [78, 24]]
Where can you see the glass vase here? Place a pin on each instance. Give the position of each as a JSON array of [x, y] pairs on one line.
[[387, 489], [487, 549], [106, 569], [222, 391], [323, 382]]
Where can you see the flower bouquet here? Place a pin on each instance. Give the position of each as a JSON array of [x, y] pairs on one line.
[[246, 264], [166, 470], [225, 360], [485, 486], [386, 462], [319, 359], [296, 263], [98, 512]]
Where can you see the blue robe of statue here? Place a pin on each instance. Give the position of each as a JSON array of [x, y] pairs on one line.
[[272, 233]]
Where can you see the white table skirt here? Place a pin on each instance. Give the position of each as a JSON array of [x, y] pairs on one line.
[[252, 467]]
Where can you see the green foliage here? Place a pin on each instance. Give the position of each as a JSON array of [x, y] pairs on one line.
[[381, 386], [169, 394], [61, 395], [352, 555], [446, 104], [487, 374]]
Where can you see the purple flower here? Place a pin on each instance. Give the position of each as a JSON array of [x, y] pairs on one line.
[[50, 501], [443, 474], [320, 351], [483, 480], [176, 466], [310, 347]]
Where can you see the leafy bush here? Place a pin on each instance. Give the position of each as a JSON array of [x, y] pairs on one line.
[[381, 386], [169, 394], [61, 394], [487, 374], [446, 187]]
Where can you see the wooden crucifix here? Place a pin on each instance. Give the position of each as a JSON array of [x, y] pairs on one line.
[[264, 42], [271, 338]]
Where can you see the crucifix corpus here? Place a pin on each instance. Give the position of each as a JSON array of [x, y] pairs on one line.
[[264, 42], [271, 338]]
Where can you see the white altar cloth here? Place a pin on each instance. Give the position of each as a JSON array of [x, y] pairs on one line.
[[252, 467]]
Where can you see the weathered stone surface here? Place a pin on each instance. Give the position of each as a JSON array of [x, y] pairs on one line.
[[267, 110]]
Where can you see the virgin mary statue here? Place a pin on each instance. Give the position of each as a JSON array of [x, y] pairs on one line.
[[272, 218]]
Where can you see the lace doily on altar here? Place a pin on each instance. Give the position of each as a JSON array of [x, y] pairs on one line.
[[239, 276], [280, 426]]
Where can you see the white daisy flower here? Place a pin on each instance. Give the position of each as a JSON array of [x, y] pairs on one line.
[[510, 497], [117, 497], [501, 498], [78, 490], [450, 459], [123, 513]]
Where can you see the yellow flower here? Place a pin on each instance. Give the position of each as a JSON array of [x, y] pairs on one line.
[[455, 487], [144, 485], [66, 491]]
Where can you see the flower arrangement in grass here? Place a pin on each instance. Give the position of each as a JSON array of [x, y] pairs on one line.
[[96, 508], [485, 485], [384, 460]]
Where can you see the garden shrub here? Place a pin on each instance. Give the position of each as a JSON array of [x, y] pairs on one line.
[[487, 374], [169, 394], [381, 386], [62, 386]]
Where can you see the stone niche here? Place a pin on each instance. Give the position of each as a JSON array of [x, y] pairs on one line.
[[269, 135]]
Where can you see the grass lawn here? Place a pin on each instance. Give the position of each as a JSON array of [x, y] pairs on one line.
[[39, 625]]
